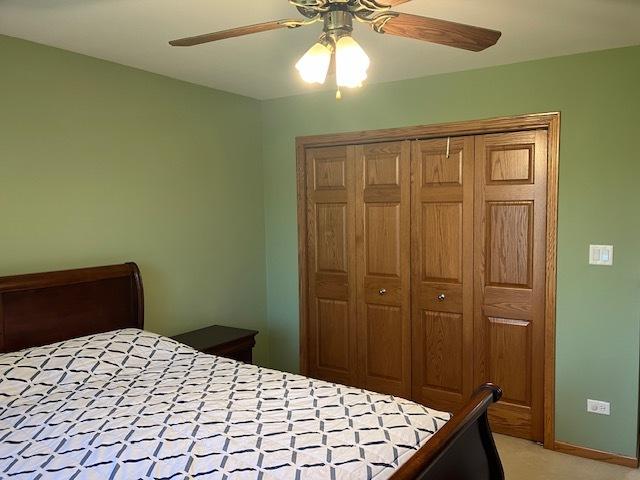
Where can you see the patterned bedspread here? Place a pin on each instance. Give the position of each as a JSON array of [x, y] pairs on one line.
[[130, 404]]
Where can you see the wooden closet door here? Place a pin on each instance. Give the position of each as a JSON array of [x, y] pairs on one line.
[[511, 189], [442, 272], [331, 264], [383, 253]]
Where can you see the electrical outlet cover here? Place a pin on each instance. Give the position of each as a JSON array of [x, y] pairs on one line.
[[598, 407]]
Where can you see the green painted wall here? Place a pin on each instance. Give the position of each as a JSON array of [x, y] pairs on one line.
[[101, 163], [598, 307]]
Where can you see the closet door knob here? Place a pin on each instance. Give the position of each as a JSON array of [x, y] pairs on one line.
[[442, 297], [382, 291]]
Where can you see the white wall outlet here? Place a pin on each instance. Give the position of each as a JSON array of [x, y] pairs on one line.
[[601, 255], [599, 407]]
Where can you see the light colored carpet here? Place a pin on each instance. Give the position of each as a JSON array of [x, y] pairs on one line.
[[524, 460]]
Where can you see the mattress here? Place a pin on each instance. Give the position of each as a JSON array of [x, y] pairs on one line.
[[130, 405]]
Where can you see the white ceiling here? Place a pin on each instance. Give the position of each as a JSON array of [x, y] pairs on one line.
[[136, 32]]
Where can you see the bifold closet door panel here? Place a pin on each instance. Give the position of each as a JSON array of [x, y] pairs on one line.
[[332, 332], [511, 193], [442, 271], [383, 264]]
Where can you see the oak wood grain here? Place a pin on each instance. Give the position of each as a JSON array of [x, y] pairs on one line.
[[613, 458], [510, 256], [551, 281], [231, 33], [394, 3], [509, 249], [442, 32], [443, 353], [499, 303], [472, 127], [383, 221], [511, 165], [442, 271], [331, 269], [303, 271]]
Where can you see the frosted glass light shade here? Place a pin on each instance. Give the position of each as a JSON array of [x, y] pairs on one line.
[[314, 65], [352, 63]]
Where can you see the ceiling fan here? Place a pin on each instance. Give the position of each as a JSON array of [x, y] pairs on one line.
[[337, 51]]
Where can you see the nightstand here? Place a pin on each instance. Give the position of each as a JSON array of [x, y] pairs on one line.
[[229, 342]]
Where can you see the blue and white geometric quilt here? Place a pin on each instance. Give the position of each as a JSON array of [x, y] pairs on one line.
[[134, 405]]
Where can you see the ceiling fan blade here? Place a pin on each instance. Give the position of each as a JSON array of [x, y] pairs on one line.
[[442, 32], [234, 32], [394, 3]]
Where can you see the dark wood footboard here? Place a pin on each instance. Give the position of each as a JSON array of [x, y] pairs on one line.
[[461, 450]]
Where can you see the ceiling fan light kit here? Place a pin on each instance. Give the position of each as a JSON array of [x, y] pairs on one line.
[[337, 47], [336, 44], [314, 66], [352, 63]]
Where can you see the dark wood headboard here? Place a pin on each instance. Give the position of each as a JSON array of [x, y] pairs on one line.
[[42, 308]]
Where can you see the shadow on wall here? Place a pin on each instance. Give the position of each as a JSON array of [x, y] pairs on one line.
[[157, 300]]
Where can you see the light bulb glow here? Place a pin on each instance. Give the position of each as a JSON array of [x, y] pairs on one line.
[[314, 65], [352, 63]]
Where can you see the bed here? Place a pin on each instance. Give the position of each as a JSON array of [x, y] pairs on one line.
[[86, 393]]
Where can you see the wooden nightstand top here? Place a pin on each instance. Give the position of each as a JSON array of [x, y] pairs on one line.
[[215, 337]]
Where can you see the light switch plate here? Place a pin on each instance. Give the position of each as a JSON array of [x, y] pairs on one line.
[[601, 255]]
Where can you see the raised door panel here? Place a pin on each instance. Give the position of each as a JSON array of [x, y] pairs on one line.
[[333, 335], [438, 168], [442, 242], [331, 237], [443, 351], [330, 173], [510, 362], [510, 244], [511, 163], [383, 253], [331, 265], [383, 242], [510, 366], [442, 271], [384, 341], [382, 170]]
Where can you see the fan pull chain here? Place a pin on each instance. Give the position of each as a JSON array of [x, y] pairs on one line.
[[448, 146]]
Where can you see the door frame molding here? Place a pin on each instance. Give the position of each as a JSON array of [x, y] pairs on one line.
[[549, 121]]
